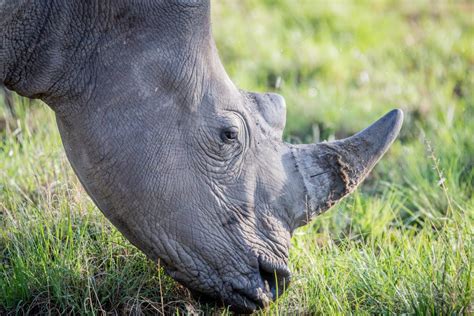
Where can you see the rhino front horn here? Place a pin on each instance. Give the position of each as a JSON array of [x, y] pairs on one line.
[[331, 170]]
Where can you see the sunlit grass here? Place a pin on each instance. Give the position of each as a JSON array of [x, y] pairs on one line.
[[403, 243]]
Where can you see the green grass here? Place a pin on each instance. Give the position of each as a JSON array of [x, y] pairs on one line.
[[403, 243]]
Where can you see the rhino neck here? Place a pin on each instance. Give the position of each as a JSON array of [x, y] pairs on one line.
[[54, 50], [45, 47], [22, 26]]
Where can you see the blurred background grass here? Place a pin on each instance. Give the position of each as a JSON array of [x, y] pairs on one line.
[[401, 244]]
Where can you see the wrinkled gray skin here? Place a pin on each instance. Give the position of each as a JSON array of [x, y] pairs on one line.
[[192, 170]]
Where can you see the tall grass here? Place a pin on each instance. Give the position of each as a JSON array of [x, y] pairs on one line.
[[403, 243]]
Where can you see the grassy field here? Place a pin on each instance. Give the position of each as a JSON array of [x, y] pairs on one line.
[[403, 243]]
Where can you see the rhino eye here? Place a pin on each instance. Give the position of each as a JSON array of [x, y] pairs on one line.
[[229, 134]]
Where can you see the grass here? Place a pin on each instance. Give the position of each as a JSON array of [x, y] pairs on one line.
[[403, 243]]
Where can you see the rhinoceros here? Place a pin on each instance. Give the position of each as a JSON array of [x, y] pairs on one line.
[[190, 169]]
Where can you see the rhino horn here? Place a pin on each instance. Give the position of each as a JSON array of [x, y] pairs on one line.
[[331, 170]]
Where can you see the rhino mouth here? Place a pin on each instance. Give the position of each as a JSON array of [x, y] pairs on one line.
[[248, 301], [238, 300], [272, 279], [265, 285], [275, 277]]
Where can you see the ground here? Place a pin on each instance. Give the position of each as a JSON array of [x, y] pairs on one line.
[[403, 243]]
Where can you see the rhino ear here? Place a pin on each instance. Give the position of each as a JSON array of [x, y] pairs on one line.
[[331, 170]]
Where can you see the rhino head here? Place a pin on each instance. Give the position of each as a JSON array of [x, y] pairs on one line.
[[191, 169]]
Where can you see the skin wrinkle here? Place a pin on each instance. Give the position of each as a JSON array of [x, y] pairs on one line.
[[208, 213], [222, 165], [83, 38], [190, 61], [305, 192], [253, 240], [229, 204], [21, 63], [273, 227]]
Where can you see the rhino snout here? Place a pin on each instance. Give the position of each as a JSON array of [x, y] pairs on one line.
[[271, 279]]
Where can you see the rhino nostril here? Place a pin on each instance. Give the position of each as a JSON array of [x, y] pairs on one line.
[[275, 277]]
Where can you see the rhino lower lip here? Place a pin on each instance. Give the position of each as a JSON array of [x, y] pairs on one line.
[[275, 277], [249, 301], [273, 280]]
